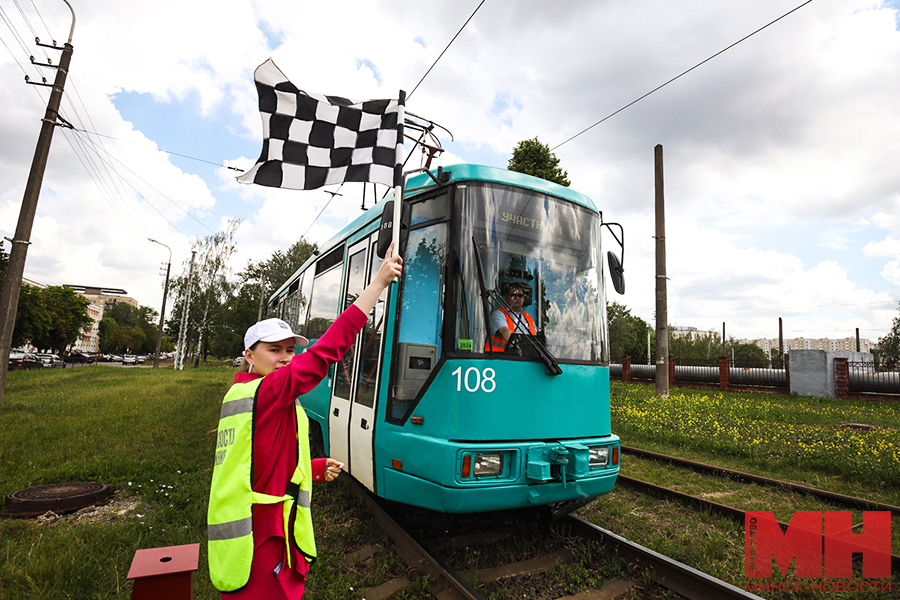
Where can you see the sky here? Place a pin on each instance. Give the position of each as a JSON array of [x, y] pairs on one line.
[[782, 190]]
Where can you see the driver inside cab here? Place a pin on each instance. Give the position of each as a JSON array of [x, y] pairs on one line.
[[506, 321]]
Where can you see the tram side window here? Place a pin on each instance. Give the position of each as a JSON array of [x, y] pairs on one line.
[[294, 310], [305, 293], [326, 296]]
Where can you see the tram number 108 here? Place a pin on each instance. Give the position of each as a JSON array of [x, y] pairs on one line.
[[475, 379]]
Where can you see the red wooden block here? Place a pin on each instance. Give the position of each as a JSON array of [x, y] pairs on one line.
[[164, 572]]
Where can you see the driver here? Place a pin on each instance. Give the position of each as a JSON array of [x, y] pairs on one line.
[[505, 322]]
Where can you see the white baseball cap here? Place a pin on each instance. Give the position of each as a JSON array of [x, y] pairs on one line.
[[272, 330]]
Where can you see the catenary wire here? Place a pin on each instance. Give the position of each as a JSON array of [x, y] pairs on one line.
[[633, 102], [409, 95]]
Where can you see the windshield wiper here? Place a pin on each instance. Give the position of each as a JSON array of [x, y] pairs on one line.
[[546, 357]]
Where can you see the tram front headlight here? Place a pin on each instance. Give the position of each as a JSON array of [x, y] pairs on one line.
[[487, 465], [598, 457]]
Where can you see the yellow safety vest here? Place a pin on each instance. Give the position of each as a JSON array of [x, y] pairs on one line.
[[231, 497]]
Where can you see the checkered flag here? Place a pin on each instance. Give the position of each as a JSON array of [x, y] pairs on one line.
[[312, 140]]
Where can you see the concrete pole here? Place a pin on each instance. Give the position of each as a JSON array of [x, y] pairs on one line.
[[780, 344], [262, 292], [162, 313], [662, 316], [12, 284]]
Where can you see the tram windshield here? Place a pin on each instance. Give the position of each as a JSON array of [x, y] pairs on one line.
[[551, 248]]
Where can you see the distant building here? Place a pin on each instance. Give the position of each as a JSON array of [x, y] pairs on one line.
[[692, 333], [825, 344], [105, 297], [89, 340]]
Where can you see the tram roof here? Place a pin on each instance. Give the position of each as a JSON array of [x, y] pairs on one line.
[[420, 182]]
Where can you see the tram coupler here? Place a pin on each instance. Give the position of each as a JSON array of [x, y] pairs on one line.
[[566, 460]]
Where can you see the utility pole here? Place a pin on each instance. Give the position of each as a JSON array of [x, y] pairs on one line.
[[9, 296], [262, 291], [162, 312], [179, 352], [662, 314], [780, 344]]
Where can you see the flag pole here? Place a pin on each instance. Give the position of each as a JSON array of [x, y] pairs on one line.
[[398, 174]]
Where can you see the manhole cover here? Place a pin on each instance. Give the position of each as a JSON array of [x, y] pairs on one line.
[[61, 498]]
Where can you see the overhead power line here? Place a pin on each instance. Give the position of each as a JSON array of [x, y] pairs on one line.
[[409, 95], [633, 102]]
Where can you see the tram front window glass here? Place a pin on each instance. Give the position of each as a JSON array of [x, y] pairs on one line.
[[549, 246]]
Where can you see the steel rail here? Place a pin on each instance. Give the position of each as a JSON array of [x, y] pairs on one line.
[[668, 573], [446, 584], [729, 511], [859, 503]]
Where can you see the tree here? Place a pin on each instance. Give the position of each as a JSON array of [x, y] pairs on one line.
[[4, 262], [279, 267], [627, 333], [534, 158], [210, 287], [32, 319], [68, 316], [128, 329], [888, 349]]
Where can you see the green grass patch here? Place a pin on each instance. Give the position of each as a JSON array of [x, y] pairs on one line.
[[786, 431], [149, 434]]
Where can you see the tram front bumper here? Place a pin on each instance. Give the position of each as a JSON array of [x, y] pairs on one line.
[[409, 489]]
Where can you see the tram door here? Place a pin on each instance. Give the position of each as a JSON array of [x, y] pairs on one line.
[[356, 376]]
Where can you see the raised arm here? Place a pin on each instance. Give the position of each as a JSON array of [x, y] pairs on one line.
[[390, 270]]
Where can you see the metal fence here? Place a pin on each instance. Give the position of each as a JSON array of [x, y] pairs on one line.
[[863, 378]]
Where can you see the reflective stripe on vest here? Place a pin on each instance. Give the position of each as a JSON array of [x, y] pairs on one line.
[[231, 498], [497, 343]]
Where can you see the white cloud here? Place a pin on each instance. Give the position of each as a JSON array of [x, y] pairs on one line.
[[779, 175]]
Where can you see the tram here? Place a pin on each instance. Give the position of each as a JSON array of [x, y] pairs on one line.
[[423, 409]]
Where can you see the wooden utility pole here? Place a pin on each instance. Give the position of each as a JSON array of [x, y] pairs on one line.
[[662, 315], [12, 284]]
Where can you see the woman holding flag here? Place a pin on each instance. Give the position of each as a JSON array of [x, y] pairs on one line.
[[259, 522]]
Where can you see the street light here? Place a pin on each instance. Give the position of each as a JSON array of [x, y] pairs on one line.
[[162, 313]]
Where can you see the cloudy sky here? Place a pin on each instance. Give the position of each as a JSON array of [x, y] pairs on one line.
[[781, 178]]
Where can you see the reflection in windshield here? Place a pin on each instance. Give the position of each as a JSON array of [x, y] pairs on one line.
[[551, 247]]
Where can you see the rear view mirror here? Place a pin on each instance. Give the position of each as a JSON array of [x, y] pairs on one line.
[[616, 272], [386, 231]]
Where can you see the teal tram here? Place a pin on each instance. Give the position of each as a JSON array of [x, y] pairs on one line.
[[422, 410]]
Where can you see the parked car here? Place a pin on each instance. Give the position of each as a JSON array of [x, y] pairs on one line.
[[21, 360], [129, 359], [141, 359], [238, 361], [51, 360], [79, 357]]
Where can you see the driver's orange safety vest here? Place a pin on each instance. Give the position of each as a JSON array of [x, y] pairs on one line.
[[497, 343]]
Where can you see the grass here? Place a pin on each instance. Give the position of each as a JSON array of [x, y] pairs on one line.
[[149, 434], [779, 433], [783, 437]]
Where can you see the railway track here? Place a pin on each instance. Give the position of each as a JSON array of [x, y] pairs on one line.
[[736, 513], [849, 501], [445, 583]]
